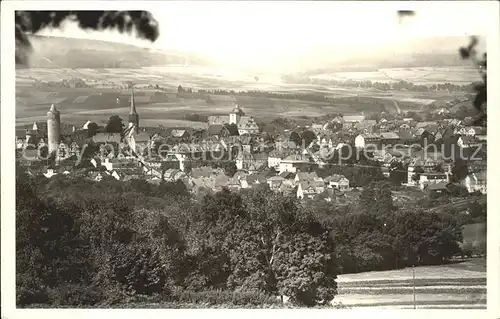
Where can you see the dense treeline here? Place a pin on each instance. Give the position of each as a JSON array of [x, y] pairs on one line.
[[83, 243], [394, 85]]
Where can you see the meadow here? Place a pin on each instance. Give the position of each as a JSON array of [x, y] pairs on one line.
[[456, 285], [416, 75]]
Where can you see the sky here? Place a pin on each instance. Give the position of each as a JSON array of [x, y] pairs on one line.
[[266, 33]]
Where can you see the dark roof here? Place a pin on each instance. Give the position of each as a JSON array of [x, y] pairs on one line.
[[42, 125], [141, 137], [335, 178], [215, 129], [253, 178], [21, 133], [389, 135], [405, 135], [435, 175], [66, 129], [287, 175], [107, 138], [178, 133], [438, 186]]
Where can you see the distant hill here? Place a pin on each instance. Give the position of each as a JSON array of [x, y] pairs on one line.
[[60, 52], [424, 52]]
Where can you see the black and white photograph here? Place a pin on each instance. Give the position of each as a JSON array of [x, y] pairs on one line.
[[248, 155]]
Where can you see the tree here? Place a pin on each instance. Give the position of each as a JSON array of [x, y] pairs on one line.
[[417, 171], [308, 137], [459, 170], [439, 168], [92, 129], [115, 124], [297, 253], [31, 22], [233, 129], [383, 199], [397, 173], [367, 197], [479, 103], [295, 138], [44, 151], [230, 168]]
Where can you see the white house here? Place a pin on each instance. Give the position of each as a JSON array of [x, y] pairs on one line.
[[304, 176], [432, 178], [276, 156], [467, 141], [50, 172], [273, 160], [353, 118], [339, 182], [475, 182], [309, 189], [443, 111], [86, 125], [470, 130], [427, 164], [106, 163], [275, 182], [290, 163], [362, 140], [117, 175]]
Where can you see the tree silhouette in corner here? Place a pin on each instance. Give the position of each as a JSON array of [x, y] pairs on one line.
[[31, 22], [469, 52]]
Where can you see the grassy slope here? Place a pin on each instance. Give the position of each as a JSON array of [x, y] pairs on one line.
[[460, 284]]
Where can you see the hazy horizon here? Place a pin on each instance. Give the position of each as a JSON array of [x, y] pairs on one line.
[[283, 35]]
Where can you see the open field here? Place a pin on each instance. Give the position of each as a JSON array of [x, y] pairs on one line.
[[32, 102], [78, 105], [458, 285], [418, 75]]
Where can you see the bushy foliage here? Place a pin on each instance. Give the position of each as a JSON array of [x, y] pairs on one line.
[[377, 235], [133, 238], [84, 243], [218, 297], [31, 22]]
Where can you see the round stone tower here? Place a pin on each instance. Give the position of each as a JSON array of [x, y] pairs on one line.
[[53, 129]]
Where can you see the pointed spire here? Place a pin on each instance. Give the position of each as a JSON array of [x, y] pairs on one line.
[[132, 103], [35, 126], [53, 108]]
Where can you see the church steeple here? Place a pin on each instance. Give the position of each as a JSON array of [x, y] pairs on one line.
[[133, 117], [132, 103]]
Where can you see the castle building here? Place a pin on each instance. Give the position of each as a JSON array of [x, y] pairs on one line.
[[245, 124], [235, 115], [53, 129]]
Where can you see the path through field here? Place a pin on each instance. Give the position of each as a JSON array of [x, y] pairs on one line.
[[459, 285]]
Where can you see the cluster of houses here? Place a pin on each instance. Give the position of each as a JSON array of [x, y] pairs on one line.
[[195, 156]]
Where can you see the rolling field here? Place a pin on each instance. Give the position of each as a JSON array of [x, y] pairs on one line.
[[419, 75], [97, 104], [459, 285]]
